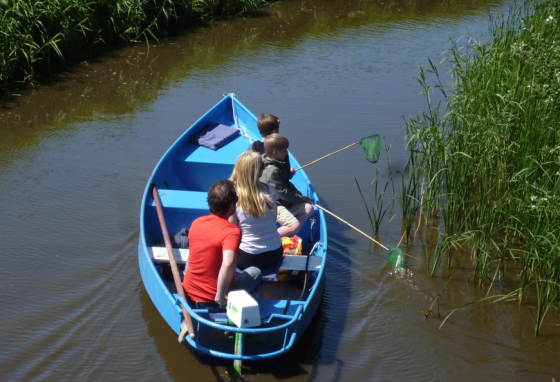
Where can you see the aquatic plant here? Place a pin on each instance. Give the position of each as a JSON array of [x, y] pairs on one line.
[[38, 36], [489, 152], [410, 202], [377, 209]]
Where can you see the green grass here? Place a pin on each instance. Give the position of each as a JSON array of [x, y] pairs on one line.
[[489, 153], [37, 37]]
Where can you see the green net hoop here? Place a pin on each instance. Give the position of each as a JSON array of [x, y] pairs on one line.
[[396, 258], [372, 147]]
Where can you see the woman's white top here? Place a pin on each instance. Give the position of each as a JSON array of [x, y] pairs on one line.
[[260, 234]]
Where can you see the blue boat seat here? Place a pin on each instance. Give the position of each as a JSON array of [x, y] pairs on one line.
[[186, 200], [267, 307], [225, 155], [198, 167]]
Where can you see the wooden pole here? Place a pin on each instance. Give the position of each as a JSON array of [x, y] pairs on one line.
[[186, 316], [344, 221], [328, 155]]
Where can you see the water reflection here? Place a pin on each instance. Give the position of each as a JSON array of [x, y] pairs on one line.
[[125, 81]]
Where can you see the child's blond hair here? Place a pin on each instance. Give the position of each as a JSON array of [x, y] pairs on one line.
[[267, 124], [275, 142], [246, 173]]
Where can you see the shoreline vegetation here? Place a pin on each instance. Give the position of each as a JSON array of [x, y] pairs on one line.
[[485, 161], [41, 37]]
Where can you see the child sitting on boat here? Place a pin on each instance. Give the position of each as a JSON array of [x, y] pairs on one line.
[[255, 214], [269, 124], [294, 209]]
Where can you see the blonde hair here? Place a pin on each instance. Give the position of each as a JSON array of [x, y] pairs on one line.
[[246, 173], [275, 142]]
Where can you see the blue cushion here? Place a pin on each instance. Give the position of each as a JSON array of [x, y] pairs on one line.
[[215, 136]]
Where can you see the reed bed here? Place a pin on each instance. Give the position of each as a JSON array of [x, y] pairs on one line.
[[489, 153], [37, 37]]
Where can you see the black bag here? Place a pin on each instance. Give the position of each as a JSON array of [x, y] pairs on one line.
[[180, 239]]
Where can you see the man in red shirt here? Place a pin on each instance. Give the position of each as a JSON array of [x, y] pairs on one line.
[[213, 249]]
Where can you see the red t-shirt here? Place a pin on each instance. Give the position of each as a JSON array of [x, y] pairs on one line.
[[209, 236]]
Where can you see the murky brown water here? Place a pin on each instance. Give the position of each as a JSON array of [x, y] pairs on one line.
[[75, 158]]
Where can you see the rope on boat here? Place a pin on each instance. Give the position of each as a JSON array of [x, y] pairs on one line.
[[242, 129], [316, 244], [306, 270]]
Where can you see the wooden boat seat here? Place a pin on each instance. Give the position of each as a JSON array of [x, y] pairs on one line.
[[297, 263], [185, 200], [292, 263], [159, 255]]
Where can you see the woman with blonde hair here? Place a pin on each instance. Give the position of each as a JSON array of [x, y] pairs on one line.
[[261, 245]]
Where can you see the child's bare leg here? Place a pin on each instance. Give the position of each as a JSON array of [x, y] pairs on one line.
[[304, 217], [289, 230], [292, 224]]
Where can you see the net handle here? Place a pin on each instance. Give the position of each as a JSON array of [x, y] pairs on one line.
[[328, 155]]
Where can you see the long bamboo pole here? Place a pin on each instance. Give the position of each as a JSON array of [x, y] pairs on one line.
[[345, 222], [186, 316], [328, 155]]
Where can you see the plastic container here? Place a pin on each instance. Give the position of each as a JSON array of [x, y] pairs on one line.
[[243, 310]]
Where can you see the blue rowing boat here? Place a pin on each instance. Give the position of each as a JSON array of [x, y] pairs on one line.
[[182, 178]]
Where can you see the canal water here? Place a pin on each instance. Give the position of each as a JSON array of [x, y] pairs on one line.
[[76, 154]]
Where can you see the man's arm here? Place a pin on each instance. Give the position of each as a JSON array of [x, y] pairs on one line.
[[227, 270]]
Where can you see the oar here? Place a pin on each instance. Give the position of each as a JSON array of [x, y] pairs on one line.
[[395, 256], [370, 144], [186, 316]]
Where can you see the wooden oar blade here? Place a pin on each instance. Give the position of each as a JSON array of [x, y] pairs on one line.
[[372, 147]]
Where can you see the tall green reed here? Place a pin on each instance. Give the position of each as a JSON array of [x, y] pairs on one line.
[[39, 36], [410, 200], [489, 151], [377, 211]]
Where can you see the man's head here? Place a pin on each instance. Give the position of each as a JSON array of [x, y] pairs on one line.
[[276, 146], [221, 197], [268, 124]]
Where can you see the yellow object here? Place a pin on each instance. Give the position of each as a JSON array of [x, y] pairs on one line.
[[291, 246]]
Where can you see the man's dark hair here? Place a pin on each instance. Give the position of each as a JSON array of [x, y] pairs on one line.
[[221, 196]]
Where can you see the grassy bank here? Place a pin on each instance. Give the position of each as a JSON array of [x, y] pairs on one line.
[[37, 37], [487, 158]]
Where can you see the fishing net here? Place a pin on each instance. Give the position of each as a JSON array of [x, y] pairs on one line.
[[372, 147], [396, 258]]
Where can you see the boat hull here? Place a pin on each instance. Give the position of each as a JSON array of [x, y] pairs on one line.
[[182, 177]]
